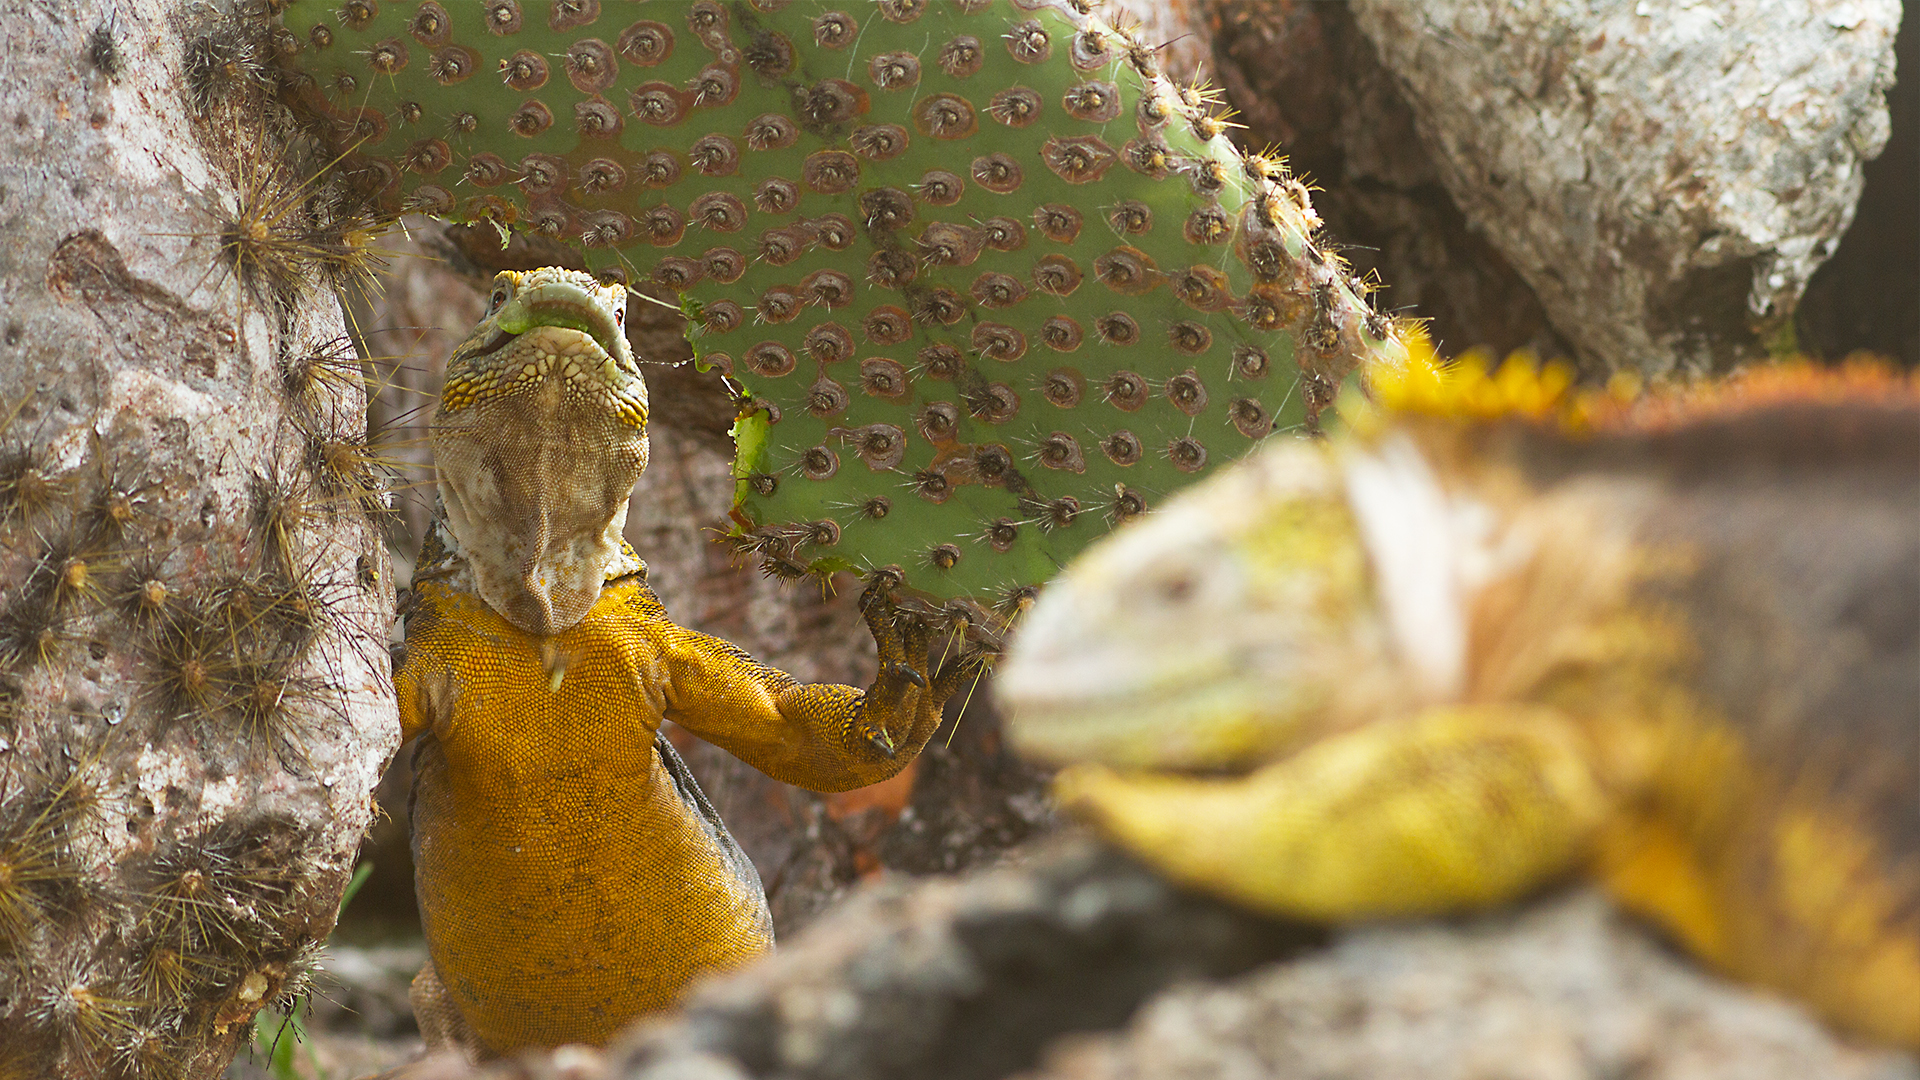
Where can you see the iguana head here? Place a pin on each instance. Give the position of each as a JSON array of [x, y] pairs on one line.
[[540, 435], [1212, 634]]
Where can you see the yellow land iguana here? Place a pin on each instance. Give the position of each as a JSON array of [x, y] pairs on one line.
[[1454, 657], [570, 873]]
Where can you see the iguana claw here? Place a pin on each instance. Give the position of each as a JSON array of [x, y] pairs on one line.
[[880, 586]]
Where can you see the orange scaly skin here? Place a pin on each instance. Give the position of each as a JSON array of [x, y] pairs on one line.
[[566, 884], [570, 873]]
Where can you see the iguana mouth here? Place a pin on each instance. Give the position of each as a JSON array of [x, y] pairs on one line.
[[543, 308], [550, 329], [572, 339], [495, 344]]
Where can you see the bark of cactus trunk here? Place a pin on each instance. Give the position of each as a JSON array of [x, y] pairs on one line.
[[195, 699]]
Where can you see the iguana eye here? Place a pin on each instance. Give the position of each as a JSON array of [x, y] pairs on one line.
[[499, 297]]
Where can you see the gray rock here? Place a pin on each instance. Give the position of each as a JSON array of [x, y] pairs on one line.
[[963, 979], [1563, 990], [363, 990], [1666, 177]]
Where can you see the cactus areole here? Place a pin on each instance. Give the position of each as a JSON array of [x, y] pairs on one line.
[[990, 283]]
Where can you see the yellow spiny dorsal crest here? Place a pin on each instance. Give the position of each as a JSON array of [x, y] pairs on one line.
[[1473, 388], [1470, 388]]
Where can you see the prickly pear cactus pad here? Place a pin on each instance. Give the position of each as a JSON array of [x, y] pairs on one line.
[[992, 282]]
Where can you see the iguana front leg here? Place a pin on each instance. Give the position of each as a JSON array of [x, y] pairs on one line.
[[1456, 808], [818, 736]]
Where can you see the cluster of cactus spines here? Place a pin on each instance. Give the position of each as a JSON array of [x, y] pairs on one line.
[[993, 282], [123, 961], [144, 621], [292, 225]]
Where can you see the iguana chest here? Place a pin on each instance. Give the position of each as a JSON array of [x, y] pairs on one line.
[[566, 882], [555, 735]]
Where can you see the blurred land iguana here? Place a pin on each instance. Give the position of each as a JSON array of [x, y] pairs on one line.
[[570, 873], [1457, 654]]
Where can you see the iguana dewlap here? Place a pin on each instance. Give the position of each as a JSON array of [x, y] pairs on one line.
[[570, 874], [1451, 660]]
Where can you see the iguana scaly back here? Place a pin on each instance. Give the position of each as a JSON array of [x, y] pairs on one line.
[[1457, 655], [570, 873]]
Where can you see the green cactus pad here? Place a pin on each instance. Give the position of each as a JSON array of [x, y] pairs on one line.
[[992, 282]]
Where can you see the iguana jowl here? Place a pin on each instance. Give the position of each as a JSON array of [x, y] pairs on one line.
[[570, 874]]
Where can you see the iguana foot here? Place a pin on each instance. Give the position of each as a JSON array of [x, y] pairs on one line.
[[902, 696], [442, 1027], [964, 671]]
